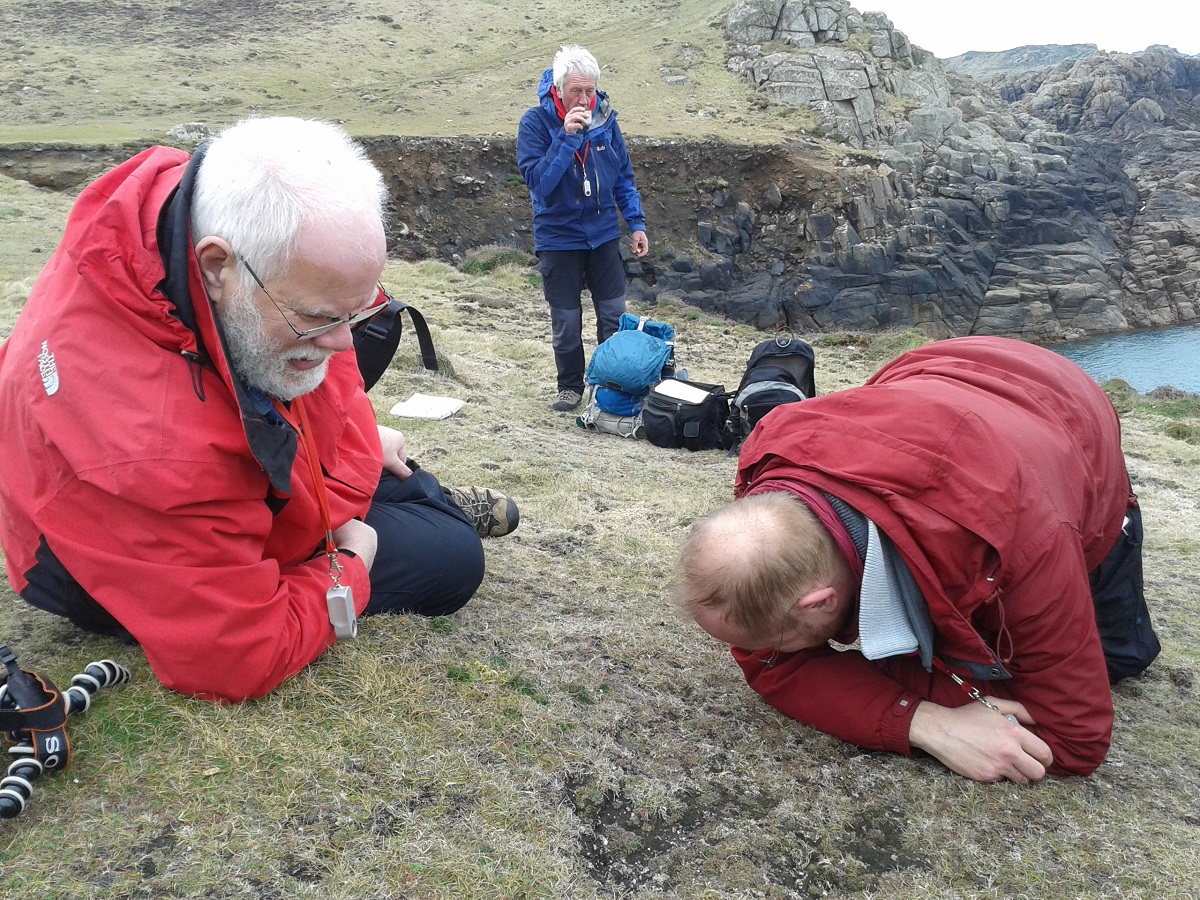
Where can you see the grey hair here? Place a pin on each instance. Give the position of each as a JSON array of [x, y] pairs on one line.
[[573, 58], [264, 181]]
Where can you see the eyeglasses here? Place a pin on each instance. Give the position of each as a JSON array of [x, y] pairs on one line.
[[305, 334]]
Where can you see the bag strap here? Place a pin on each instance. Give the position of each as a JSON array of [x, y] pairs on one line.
[[376, 340]]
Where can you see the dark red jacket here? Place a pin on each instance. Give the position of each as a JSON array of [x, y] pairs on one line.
[[128, 457], [995, 467]]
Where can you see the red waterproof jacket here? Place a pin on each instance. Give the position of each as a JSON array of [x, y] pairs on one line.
[[128, 460], [995, 467]]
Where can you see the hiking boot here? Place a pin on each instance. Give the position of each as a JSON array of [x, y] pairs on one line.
[[567, 401], [492, 513]]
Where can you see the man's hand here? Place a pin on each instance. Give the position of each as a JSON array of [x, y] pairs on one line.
[[577, 119], [360, 539], [395, 452], [640, 245], [981, 743]]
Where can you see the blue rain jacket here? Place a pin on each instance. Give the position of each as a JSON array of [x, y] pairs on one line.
[[566, 215]]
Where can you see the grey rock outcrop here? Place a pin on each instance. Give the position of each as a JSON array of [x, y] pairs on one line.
[[836, 60], [986, 65], [1061, 200], [189, 133]]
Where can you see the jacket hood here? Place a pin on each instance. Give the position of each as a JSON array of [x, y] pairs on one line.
[[545, 84], [152, 284], [121, 207]]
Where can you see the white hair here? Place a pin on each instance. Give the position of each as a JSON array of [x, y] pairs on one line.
[[264, 181], [573, 58]]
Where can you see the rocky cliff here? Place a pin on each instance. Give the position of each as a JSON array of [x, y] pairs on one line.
[[986, 65], [1053, 202], [1060, 198]]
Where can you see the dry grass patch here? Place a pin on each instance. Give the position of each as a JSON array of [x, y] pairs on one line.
[[566, 735]]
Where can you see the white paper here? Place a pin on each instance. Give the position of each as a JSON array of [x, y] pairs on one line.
[[427, 406], [680, 390]]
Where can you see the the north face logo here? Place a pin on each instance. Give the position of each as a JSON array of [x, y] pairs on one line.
[[48, 369]]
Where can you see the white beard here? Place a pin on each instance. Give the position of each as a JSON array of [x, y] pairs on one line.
[[260, 362]]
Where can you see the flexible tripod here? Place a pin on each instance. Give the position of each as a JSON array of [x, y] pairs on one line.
[[33, 714]]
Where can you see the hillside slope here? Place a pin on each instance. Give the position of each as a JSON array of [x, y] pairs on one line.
[[130, 71], [894, 192]]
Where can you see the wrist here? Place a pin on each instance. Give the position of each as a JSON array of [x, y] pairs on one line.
[[925, 726]]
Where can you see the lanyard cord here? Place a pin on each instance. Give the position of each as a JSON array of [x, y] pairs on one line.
[[587, 183], [314, 465], [972, 692]]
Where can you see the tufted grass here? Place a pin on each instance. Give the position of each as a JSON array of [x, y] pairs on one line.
[[566, 735]]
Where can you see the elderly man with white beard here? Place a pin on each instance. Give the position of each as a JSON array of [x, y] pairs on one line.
[[192, 462]]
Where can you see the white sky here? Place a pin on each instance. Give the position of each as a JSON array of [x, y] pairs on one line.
[[949, 27]]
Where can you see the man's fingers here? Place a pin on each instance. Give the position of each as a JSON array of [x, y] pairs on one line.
[[1027, 769], [1038, 749], [1033, 760]]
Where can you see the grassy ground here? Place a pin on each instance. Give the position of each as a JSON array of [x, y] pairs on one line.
[[132, 69], [565, 736]]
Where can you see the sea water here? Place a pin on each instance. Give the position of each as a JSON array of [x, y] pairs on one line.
[[1145, 359]]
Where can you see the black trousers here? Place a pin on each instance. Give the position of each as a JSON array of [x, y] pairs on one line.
[[430, 558], [565, 273]]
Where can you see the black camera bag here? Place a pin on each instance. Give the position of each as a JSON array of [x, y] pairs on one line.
[[673, 423]]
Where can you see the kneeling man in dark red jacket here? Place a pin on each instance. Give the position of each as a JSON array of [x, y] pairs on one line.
[[946, 559]]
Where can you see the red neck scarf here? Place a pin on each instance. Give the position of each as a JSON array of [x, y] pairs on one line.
[[558, 104], [562, 114]]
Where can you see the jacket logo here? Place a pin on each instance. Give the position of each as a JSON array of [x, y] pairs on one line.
[[48, 369]]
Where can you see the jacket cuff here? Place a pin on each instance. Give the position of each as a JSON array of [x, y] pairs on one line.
[[896, 722], [356, 576]]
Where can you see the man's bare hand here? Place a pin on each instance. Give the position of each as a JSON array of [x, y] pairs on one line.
[[577, 119], [981, 743], [640, 245], [395, 452], [360, 539]]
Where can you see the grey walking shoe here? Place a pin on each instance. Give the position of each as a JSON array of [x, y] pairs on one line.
[[492, 513], [567, 401]]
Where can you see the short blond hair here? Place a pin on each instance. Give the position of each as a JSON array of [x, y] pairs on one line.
[[753, 558]]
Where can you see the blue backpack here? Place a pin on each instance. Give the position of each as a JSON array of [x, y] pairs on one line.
[[628, 364]]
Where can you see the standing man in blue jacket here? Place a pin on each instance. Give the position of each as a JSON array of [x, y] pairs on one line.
[[573, 158]]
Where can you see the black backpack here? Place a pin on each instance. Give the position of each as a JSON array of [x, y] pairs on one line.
[[1122, 617], [376, 339], [780, 370]]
